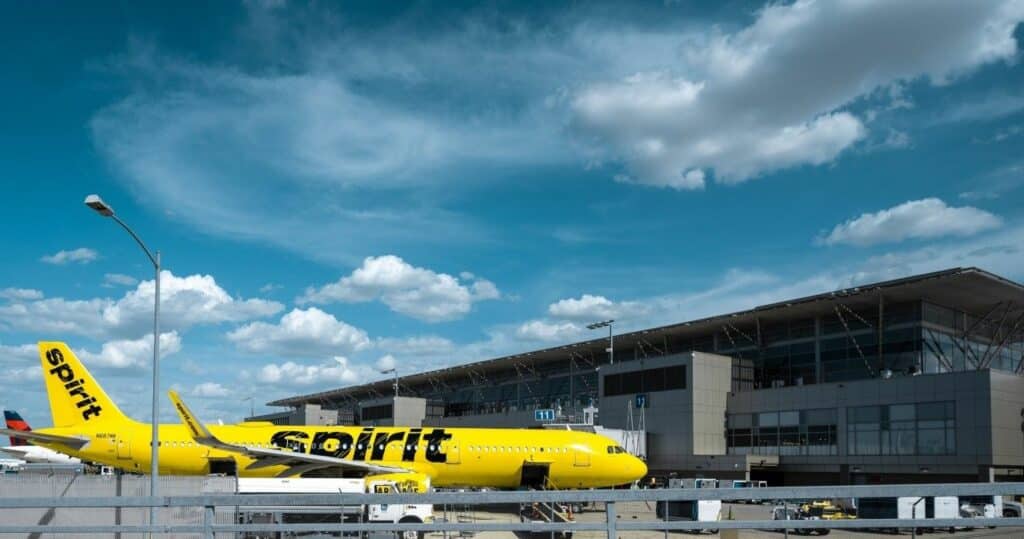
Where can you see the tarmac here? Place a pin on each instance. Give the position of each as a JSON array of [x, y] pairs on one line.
[[640, 511]]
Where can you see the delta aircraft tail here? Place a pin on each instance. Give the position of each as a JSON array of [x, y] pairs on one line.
[[15, 422], [76, 398]]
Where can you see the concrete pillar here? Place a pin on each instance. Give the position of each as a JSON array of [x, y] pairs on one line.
[[844, 474]]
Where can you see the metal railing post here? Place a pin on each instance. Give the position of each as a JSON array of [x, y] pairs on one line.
[[609, 511], [208, 522], [785, 511]]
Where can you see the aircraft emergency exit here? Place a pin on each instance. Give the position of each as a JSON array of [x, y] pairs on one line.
[[88, 425]]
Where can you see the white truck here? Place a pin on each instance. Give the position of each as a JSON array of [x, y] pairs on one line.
[[343, 512]]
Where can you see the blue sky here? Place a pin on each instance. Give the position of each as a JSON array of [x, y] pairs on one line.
[[339, 188]]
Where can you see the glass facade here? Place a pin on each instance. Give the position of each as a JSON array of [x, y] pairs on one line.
[[645, 381], [371, 413], [927, 428], [796, 432], [547, 392], [956, 341], [844, 344]]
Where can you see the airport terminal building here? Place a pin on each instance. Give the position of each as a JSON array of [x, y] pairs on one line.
[[919, 379]]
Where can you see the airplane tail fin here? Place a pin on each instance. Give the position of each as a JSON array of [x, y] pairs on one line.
[[76, 397], [15, 422]]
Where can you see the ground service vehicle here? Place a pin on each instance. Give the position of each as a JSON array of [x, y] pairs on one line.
[[941, 507], [783, 512], [699, 482], [88, 425], [1013, 509], [904, 508], [695, 510], [391, 513], [825, 510], [981, 506]]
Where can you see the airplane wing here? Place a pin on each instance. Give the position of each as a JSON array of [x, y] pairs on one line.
[[74, 442], [297, 463]]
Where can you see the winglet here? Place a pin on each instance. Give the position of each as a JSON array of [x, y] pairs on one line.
[[196, 428]]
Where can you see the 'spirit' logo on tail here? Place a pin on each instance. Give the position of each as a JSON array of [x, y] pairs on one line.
[[74, 387]]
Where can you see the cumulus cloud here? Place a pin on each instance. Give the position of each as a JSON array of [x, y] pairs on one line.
[[20, 294], [773, 95], [295, 374], [25, 374], [301, 332], [209, 390], [413, 291], [386, 362], [548, 332], [82, 255], [184, 302], [594, 308], [119, 279], [21, 352], [915, 219], [131, 353]]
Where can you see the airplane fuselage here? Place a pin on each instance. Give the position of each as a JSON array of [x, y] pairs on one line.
[[38, 454], [467, 457]]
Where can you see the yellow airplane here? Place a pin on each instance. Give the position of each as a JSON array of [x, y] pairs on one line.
[[88, 425]]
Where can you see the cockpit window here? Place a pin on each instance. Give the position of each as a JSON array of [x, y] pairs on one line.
[[614, 450]]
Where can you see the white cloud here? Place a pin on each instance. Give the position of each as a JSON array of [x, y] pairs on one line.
[[20, 294], [25, 374], [386, 362], [549, 332], [82, 255], [131, 353], [210, 390], [986, 108], [327, 374], [925, 218], [417, 292], [184, 302], [772, 95], [119, 279], [316, 127], [303, 333], [21, 352], [590, 308]]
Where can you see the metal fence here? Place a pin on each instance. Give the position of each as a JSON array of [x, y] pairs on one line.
[[211, 508], [57, 485]]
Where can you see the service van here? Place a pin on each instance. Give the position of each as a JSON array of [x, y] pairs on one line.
[[341, 513]]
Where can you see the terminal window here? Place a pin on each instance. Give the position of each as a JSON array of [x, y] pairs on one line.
[[645, 381], [793, 432], [372, 413], [924, 428]]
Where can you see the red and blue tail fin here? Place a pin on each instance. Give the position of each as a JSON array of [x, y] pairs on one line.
[[15, 422]]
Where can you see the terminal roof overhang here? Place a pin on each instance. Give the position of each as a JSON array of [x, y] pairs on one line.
[[971, 289]]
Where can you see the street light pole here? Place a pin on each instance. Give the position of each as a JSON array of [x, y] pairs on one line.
[[611, 337], [97, 204], [392, 370]]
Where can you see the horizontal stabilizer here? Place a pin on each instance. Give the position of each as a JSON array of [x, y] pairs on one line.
[[74, 442], [297, 463]]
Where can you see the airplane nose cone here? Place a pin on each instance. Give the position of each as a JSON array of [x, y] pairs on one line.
[[638, 469]]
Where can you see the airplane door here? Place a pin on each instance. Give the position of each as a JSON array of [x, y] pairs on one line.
[[452, 455], [124, 449], [581, 458]]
